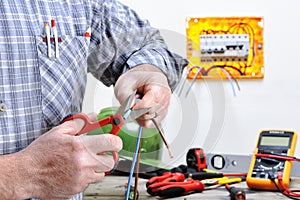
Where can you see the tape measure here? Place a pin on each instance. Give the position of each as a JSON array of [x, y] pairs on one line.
[[196, 159]]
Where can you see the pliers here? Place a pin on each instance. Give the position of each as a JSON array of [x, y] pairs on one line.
[[168, 189], [175, 184], [124, 114]]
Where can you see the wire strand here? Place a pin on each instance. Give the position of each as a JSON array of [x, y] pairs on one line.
[[133, 163], [230, 80]]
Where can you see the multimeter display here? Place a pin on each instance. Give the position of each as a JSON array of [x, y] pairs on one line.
[[275, 141], [261, 168]]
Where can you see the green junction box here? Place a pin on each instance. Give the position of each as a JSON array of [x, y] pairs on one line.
[[151, 141]]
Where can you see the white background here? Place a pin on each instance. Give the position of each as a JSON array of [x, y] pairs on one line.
[[270, 103]]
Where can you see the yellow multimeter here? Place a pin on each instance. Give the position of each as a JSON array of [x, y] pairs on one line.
[[261, 170]]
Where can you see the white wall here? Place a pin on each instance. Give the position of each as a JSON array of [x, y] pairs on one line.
[[210, 116]]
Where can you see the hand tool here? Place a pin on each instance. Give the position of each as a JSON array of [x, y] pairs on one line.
[[125, 114], [166, 177], [175, 189], [155, 183], [196, 159], [235, 193], [177, 176], [176, 184], [222, 181]]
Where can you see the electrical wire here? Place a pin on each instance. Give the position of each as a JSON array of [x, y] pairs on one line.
[[133, 163], [235, 80], [223, 66], [230, 80], [137, 168], [282, 191], [292, 194], [183, 79], [194, 79], [278, 156], [162, 135], [179, 88]]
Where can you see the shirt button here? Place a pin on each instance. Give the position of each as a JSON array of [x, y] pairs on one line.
[[2, 107]]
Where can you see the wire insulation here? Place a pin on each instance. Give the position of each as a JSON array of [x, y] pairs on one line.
[[133, 163]]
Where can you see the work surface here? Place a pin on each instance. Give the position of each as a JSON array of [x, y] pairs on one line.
[[112, 187]]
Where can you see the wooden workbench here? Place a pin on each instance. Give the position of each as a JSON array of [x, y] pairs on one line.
[[112, 188]]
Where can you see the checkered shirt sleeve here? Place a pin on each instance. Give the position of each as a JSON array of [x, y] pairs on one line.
[[37, 89]]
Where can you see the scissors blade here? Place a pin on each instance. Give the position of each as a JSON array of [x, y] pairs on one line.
[[136, 113], [126, 104]]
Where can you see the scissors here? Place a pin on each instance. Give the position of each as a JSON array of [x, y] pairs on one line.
[[124, 114]]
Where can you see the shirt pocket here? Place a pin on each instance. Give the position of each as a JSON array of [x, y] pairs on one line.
[[63, 78]]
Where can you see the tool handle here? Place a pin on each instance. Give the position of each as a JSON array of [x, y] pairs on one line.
[[237, 194], [181, 189], [115, 120], [157, 179], [166, 177], [204, 175], [172, 179]]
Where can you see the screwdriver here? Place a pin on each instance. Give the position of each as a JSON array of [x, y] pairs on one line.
[[155, 183], [175, 189], [166, 177], [177, 176], [235, 193]]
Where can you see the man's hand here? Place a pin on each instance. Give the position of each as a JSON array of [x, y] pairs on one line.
[[60, 164], [149, 81]]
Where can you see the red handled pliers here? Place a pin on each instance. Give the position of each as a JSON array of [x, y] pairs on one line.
[[175, 188]]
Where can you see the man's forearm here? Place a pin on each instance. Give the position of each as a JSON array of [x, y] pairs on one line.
[[14, 183]]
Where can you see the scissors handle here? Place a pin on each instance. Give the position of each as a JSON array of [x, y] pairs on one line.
[[115, 120]]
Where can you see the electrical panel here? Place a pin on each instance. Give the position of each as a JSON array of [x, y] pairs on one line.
[[231, 45]]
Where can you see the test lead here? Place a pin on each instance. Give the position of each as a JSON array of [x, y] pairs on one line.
[[47, 31]]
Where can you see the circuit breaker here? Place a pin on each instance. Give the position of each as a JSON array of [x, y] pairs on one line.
[[234, 44]]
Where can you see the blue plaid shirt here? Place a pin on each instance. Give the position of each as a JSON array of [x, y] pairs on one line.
[[38, 91]]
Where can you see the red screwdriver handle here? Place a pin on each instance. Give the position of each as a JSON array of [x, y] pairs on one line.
[[176, 179], [157, 179], [180, 189], [166, 177]]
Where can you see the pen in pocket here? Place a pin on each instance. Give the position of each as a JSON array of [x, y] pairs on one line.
[[47, 31], [54, 29], [87, 33]]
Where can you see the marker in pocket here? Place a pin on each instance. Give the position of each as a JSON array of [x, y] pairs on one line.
[[54, 30], [87, 33], [52, 36], [48, 39]]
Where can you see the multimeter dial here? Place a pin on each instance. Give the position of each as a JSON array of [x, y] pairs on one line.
[[262, 168]]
